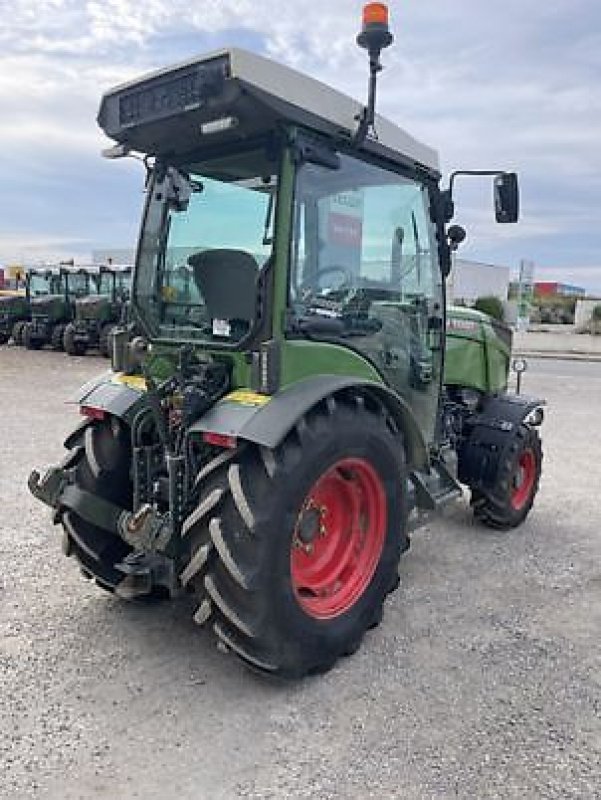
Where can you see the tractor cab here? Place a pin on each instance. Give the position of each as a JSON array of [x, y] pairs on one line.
[[97, 312]]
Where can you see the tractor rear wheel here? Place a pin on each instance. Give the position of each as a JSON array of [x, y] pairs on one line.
[[292, 551], [29, 342], [72, 347], [56, 337], [508, 503], [100, 456]]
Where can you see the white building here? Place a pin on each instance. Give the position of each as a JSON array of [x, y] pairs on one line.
[[472, 279]]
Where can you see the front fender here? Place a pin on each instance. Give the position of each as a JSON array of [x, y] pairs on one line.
[[266, 420]]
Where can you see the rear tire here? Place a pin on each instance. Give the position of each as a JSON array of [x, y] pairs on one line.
[[72, 347], [100, 458], [508, 504], [292, 551]]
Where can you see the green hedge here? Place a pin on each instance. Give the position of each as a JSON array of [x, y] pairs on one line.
[[490, 305]]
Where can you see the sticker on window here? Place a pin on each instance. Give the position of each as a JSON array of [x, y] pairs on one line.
[[221, 327]]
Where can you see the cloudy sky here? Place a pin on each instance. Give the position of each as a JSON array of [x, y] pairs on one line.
[[513, 84]]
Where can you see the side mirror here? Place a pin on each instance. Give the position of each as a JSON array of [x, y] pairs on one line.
[[456, 235], [507, 197]]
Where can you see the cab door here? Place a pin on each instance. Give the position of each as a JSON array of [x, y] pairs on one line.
[[366, 251]]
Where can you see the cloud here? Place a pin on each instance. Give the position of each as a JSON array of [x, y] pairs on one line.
[[511, 84]]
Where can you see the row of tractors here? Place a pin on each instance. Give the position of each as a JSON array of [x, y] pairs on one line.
[[71, 309]]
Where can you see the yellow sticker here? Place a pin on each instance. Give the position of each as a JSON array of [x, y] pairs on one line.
[[246, 397], [136, 382], [169, 294]]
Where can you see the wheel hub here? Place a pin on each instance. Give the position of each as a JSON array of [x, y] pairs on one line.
[[338, 538], [524, 479], [309, 525]]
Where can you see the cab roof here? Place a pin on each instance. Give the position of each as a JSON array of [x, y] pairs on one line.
[[163, 112]]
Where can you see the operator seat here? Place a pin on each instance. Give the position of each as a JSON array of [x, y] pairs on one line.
[[227, 282]]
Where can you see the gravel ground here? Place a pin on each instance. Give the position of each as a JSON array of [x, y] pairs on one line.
[[482, 682]]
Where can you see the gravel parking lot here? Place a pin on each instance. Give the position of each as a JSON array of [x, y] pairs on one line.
[[483, 681]]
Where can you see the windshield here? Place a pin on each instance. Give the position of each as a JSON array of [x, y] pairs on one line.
[[123, 284], [78, 283], [206, 240], [42, 284], [102, 284]]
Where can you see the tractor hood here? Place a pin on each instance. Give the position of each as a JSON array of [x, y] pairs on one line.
[[478, 350], [233, 96], [47, 303], [13, 304], [91, 307]]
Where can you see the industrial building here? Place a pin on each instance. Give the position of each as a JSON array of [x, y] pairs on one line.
[[555, 289], [472, 279]]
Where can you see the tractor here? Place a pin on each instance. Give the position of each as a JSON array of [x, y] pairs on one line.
[[14, 313], [290, 398], [97, 314], [52, 294]]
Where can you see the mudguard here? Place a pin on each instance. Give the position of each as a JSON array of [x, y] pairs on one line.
[[490, 434], [266, 420], [115, 393]]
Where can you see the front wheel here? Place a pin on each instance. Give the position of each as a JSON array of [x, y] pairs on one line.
[[508, 503], [104, 343], [56, 337], [29, 342], [292, 551], [18, 330], [71, 345]]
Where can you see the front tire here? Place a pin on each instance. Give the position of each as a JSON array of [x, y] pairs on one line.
[[18, 330], [507, 504], [104, 340], [72, 347], [292, 551], [56, 338], [29, 342]]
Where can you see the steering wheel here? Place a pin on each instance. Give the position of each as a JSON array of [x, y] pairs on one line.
[[332, 268]]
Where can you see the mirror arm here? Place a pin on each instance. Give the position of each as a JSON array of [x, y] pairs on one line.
[[482, 172]]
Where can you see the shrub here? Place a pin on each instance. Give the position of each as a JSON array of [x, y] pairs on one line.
[[490, 305]]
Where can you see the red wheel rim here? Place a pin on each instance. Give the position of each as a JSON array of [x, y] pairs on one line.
[[523, 480], [338, 538]]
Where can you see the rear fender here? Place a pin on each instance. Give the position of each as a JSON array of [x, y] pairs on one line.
[[266, 420], [114, 393], [491, 433]]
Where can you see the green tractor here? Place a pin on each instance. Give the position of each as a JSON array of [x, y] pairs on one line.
[[97, 314], [276, 420], [52, 295], [14, 313]]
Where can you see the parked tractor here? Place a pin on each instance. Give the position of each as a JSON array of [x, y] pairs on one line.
[[97, 314], [14, 313], [276, 419], [52, 296]]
